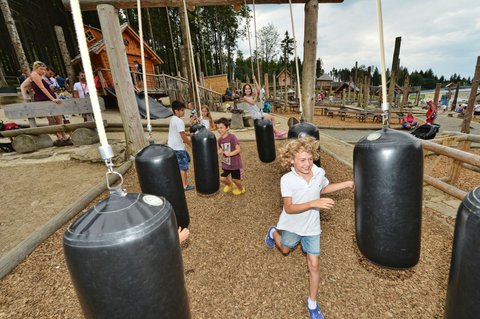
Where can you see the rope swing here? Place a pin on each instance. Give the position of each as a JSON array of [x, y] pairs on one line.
[[196, 92], [105, 149], [299, 89], [382, 62], [144, 73], [249, 40]]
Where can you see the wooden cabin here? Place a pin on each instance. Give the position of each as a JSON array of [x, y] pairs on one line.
[[99, 57], [284, 78], [324, 83]]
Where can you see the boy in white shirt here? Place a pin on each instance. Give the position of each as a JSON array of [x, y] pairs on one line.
[[177, 138], [301, 189]]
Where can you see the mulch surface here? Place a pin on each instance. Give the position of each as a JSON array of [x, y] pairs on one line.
[[231, 274]]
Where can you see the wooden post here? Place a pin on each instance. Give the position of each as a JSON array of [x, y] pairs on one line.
[[457, 165], [393, 74], [65, 54], [127, 103], [267, 88], [355, 84], [367, 87], [274, 86], [406, 89], [3, 82], [436, 96], [455, 97], [471, 100], [186, 59], [309, 59]]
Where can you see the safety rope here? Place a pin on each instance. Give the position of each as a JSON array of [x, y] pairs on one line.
[[105, 149], [144, 71], [382, 62], [299, 89], [196, 92]]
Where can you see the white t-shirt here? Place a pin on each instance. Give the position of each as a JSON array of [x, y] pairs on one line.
[[81, 88], [206, 123], [294, 186], [174, 139]]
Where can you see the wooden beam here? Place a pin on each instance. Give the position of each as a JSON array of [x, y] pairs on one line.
[[50, 129], [48, 108], [90, 5], [117, 56], [65, 54], [447, 188], [465, 157], [309, 59]]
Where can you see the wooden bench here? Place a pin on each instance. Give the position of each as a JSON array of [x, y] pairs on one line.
[[34, 138]]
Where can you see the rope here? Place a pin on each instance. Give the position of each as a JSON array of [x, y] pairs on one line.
[[382, 58], [105, 149], [249, 40], [144, 71], [299, 89], [192, 64], [256, 45]]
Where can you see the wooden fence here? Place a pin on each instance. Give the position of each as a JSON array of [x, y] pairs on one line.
[[461, 159]]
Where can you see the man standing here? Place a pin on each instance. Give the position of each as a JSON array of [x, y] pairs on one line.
[[80, 91]]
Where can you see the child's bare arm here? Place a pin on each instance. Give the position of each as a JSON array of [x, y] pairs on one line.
[[234, 152], [321, 203], [330, 188], [185, 139]]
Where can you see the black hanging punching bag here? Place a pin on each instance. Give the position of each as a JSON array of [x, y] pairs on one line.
[[388, 173], [205, 161], [158, 174], [125, 261], [265, 140], [305, 129], [463, 292]]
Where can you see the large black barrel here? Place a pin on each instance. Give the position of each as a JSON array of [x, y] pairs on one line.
[[265, 140], [463, 293], [205, 161], [125, 260], [388, 173], [158, 174], [305, 129]]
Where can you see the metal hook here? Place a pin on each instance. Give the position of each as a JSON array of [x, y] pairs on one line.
[[117, 189]]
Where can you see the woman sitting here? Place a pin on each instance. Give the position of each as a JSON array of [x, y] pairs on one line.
[[408, 121]]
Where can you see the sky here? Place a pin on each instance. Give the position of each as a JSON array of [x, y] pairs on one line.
[[443, 35]]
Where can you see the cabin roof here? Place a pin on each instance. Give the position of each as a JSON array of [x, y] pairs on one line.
[[99, 46]]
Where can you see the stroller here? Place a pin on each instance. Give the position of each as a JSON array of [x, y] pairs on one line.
[[7, 147], [426, 131]]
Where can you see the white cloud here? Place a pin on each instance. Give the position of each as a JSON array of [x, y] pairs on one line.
[[441, 35]]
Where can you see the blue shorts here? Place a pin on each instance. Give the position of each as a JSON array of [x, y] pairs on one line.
[[183, 159], [310, 244]]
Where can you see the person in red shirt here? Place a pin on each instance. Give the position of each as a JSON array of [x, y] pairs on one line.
[[408, 121], [431, 112]]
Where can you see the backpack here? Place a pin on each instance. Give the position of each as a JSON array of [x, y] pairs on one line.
[[7, 147], [426, 131]]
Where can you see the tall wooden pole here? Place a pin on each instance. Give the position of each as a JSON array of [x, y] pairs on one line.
[[355, 82], [436, 96], [122, 80], [187, 65], [171, 41], [309, 59], [455, 97], [17, 44], [3, 82], [65, 54], [393, 73], [471, 100], [266, 85], [406, 89]]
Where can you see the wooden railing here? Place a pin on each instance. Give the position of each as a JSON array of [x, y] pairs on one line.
[[461, 159], [175, 87]]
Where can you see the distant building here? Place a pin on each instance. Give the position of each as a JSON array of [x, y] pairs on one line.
[[131, 40], [284, 78], [324, 83]]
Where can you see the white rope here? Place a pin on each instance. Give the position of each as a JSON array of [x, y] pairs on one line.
[[144, 70], [382, 63], [259, 80], [192, 64], [299, 89], [249, 40], [105, 149]]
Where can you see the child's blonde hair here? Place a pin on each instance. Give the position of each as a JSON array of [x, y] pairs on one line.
[[304, 144], [209, 116]]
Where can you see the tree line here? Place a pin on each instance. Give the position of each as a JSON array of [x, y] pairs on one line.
[[215, 32]]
